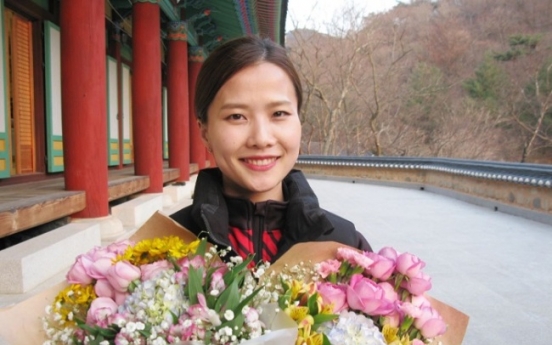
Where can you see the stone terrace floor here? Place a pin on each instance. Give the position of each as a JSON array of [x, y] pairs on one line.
[[495, 267]]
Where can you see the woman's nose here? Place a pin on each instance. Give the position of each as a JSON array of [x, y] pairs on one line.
[[261, 134]]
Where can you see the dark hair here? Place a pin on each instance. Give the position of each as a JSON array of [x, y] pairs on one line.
[[233, 56]]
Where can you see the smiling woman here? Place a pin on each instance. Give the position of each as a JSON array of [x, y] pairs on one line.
[[248, 98]]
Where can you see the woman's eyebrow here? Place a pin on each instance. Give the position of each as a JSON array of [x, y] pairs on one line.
[[279, 103], [234, 106], [245, 105]]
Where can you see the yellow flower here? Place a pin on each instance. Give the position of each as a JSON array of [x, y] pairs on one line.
[[297, 313], [71, 300], [296, 287], [327, 308], [315, 339], [151, 250], [391, 336]]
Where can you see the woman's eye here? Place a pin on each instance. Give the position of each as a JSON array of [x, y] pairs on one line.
[[280, 113], [235, 117]]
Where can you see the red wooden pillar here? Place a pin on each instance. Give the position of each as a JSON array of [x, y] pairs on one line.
[[146, 92], [84, 103], [178, 100], [197, 148]]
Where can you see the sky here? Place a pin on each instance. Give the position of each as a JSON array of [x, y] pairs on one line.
[[313, 14]]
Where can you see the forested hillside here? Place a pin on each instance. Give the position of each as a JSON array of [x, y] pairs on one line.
[[450, 78]]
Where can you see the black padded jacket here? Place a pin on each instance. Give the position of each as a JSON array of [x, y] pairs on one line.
[[304, 219]]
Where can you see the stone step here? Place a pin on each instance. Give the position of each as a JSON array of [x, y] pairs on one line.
[[30, 263]]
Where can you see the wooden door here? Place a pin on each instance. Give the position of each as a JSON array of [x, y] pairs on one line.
[[19, 35]]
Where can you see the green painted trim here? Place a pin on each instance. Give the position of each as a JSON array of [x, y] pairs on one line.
[[51, 153], [168, 8], [111, 151], [5, 154], [126, 52], [110, 140], [165, 123], [42, 3], [126, 151], [192, 35]]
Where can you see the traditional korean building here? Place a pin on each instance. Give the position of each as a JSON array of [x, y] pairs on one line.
[[92, 87]]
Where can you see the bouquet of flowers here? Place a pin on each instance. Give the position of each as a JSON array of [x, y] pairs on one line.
[[163, 286], [156, 291], [360, 298]]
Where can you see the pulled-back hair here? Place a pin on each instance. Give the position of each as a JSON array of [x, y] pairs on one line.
[[232, 57]]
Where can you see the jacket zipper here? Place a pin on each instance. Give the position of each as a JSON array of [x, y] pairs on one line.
[[211, 235], [258, 230]]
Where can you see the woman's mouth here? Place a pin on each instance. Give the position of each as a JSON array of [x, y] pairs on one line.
[[259, 161], [260, 164]]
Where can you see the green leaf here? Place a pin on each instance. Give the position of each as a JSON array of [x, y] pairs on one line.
[[202, 247], [325, 340], [284, 300], [108, 333], [344, 268], [237, 321], [146, 332], [194, 286], [312, 303], [246, 301], [97, 340], [229, 298], [237, 271], [405, 325], [321, 318]]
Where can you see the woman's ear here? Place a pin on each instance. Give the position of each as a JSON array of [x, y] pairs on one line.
[[204, 134]]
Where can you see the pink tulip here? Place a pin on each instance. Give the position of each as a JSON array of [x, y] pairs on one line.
[[409, 265], [120, 297], [417, 285], [335, 295], [104, 289], [150, 271], [79, 273], [121, 275], [365, 295], [389, 252], [101, 309], [430, 323], [420, 301], [382, 268], [120, 247], [389, 292], [99, 268], [392, 319]]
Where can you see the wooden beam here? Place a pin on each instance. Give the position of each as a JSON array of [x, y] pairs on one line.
[[127, 186], [170, 174], [30, 9], [24, 214]]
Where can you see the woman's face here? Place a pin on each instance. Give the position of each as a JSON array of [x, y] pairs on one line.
[[254, 131]]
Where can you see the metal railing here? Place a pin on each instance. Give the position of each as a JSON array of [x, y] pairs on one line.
[[539, 175]]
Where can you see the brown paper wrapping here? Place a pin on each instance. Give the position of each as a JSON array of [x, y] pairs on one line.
[[21, 324]]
